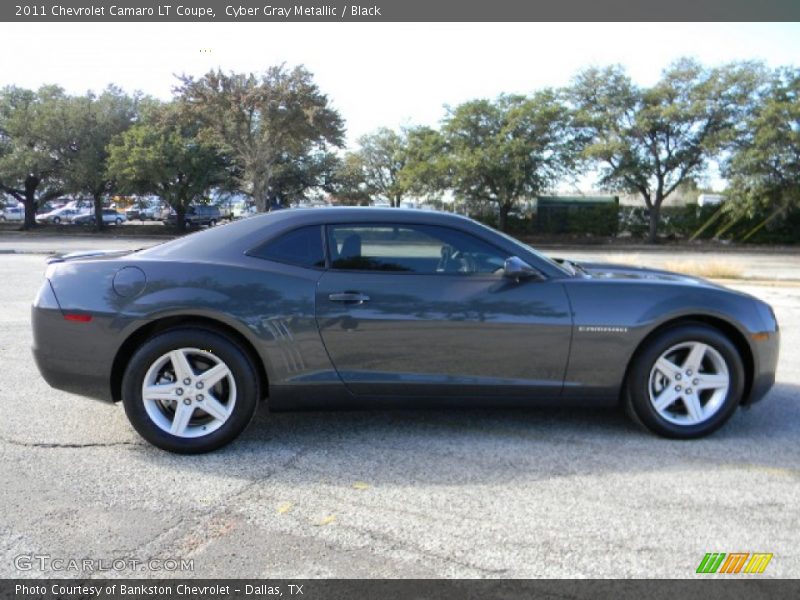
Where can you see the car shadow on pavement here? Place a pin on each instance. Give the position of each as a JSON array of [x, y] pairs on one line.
[[453, 447]]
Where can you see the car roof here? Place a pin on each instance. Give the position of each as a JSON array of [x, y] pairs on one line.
[[230, 241], [234, 238]]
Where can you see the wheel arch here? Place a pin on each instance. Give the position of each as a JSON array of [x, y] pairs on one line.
[[156, 326], [733, 333]]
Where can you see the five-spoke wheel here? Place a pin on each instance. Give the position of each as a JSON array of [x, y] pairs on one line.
[[686, 382], [190, 390]]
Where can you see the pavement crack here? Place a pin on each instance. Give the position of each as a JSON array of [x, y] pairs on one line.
[[22, 444]]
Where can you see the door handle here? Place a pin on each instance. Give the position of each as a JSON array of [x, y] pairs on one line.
[[349, 297]]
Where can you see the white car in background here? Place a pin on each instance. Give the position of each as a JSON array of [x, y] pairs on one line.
[[12, 213], [110, 217], [60, 215]]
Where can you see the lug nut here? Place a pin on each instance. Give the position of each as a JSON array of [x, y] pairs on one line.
[[678, 377], [689, 373], [677, 388], [179, 392], [187, 381], [199, 397], [199, 385], [696, 382], [187, 400], [688, 390]]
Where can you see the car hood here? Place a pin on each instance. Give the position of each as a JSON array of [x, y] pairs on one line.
[[632, 273]]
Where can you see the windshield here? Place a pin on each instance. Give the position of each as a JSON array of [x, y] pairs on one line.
[[544, 257]]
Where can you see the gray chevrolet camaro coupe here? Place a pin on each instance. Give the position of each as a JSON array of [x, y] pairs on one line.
[[368, 307]]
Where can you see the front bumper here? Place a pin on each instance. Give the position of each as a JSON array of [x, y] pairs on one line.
[[765, 363]]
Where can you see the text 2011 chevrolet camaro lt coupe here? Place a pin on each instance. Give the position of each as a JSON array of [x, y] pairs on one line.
[[386, 307]]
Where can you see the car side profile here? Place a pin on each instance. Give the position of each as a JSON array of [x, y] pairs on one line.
[[369, 307], [59, 215], [198, 215], [110, 217], [12, 213]]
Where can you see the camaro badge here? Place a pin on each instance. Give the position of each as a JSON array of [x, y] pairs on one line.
[[600, 329]]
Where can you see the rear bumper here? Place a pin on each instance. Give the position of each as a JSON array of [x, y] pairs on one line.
[[70, 356]]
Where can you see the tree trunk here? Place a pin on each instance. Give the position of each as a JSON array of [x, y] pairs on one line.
[[655, 213], [180, 217], [502, 218], [31, 183], [98, 212]]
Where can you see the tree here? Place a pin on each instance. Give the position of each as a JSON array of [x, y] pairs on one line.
[[165, 155], [349, 186], [382, 156], [293, 176], [96, 120], [265, 124], [33, 145], [425, 173], [508, 150], [650, 140], [764, 169]]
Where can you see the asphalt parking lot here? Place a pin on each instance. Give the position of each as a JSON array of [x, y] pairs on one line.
[[496, 493]]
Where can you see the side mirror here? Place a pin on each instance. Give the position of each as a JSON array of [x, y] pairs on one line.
[[516, 268]]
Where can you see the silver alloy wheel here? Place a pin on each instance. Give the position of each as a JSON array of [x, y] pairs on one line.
[[689, 383], [189, 392]]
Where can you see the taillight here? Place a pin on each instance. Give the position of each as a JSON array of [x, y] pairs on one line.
[[78, 318]]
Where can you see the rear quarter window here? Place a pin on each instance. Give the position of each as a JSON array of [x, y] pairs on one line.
[[301, 247]]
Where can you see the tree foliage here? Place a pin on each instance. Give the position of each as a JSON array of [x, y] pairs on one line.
[[382, 156], [34, 145], [649, 140], [277, 127], [764, 169], [508, 150], [95, 121], [165, 154]]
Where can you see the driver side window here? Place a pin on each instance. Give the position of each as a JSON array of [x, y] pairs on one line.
[[410, 248]]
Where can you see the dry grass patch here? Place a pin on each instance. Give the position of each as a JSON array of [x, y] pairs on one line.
[[712, 269]]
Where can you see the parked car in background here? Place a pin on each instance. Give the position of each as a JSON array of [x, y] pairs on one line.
[[12, 213], [60, 215], [145, 212], [151, 213], [110, 217], [243, 210], [198, 215]]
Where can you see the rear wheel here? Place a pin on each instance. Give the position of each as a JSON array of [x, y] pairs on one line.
[[686, 382], [118, 221], [190, 391]]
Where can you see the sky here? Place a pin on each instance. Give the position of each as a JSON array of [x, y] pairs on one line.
[[376, 74]]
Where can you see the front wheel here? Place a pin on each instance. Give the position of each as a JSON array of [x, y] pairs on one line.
[[190, 391], [118, 221], [686, 382]]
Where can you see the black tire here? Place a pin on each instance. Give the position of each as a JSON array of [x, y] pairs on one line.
[[118, 221], [637, 385], [56, 220], [212, 222], [241, 367]]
